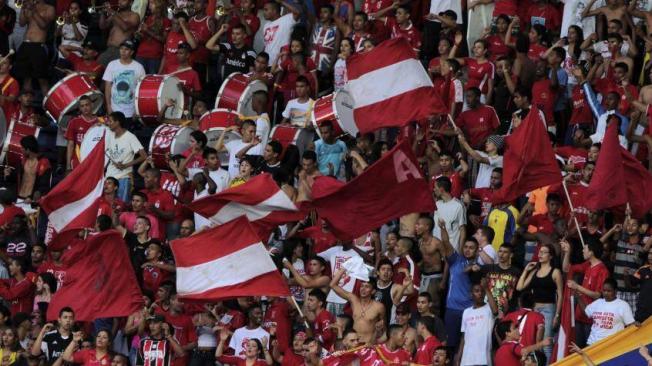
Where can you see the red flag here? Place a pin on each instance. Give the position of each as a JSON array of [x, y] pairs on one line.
[[529, 161], [100, 282], [566, 325], [260, 199], [387, 78], [390, 188], [73, 203], [226, 261], [619, 178]]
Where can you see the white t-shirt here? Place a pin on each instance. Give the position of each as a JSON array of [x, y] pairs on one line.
[[276, 34], [221, 179], [453, 213], [339, 74], [241, 337], [336, 256], [477, 325], [121, 150], [297, 291], [262, 129], [123, 88], [68, 36], [490, 251], [602, 48], [608, 317], [439, 6], [298, 113], [484, 171], [234, 148]]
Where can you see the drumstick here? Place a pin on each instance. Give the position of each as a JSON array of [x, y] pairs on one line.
[[450, 119], [11, 52], [65, 71]]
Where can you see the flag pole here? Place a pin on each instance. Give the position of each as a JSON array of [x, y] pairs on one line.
[[296, 305], [570, 203]]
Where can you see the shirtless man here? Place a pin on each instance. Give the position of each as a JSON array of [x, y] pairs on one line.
[[432, 267], [315, 278], [123, 24], [403, 319], [614, 9], [32, 56], [366, 311]]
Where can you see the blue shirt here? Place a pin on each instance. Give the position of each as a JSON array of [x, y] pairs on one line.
[[330, 153], [459, 285]]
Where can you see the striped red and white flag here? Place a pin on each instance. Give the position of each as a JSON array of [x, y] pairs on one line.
[[388, 86], [260, 199], [74, 202], [224, 262]]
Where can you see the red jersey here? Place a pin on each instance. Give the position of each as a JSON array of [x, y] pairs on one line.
[[426, 350], [508, 354], [19, 294], [278, 316], [528, 322], [153, 277], [594, 277], [189, 78], [479, 74], [581, 109], [254, 24], [321, 240], [184, 333], [605, 86], [577, 194], [9, 87], [149, 47], [202, 30], [573, 155], [322, 330], [456, 182], [162, 200], [170, 51], [381, 355], [543, 223], [87, 66], [411, 33], [543, 97], [478, 124], [546, 15], [292, 359], [77, 128], [408, 263], [507, 7], [497, 47], [57, 270], [9, 212], [485, 195], [437, 78], [374, 6], [107, 208], [536, 52], [195, 162], [233, 319], [88, 357]]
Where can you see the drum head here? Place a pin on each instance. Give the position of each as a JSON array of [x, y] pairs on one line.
[[244, 105], [181, 141], [3, 125], [94, 93], [344, 104], [90, 140], [169, 89], [213, 134]]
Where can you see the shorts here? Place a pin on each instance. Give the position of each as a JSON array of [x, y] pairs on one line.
[[32, 61]]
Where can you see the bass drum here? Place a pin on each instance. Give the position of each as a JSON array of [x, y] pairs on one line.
[[213, 123], [152, 92], [168, 140], [325, 109], [236, 93], [63, 98], [12, 152], [288, 135]]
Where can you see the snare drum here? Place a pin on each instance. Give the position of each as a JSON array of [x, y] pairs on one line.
[[12, 152], [63, 97], [152, 92], [288, 135], [324, 110], [92, 136], [236, 93], [168, 139], [213, 123]]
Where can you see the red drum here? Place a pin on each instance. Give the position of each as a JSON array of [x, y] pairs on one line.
[[63, 98], [213, 123], [236, 93], [324, 110], [12, 152], [168, 139], [287, 135], [152, 92]]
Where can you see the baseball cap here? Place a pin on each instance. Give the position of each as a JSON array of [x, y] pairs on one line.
[[129, 44], [156, 318], [92, 45], [184, 46], [449, 13]]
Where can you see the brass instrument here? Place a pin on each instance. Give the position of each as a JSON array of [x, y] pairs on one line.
[[18, 4], [220, 11], [60, 21], [173, 9], [97, 9]]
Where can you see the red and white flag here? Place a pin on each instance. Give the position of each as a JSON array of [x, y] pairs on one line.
[[387, 86], [260, 199], [226, 261], [74, 202]]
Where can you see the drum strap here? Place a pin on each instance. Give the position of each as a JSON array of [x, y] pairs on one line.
[[181, 70]]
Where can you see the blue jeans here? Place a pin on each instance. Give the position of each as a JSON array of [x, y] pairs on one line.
[[124, 189], [548, 312]]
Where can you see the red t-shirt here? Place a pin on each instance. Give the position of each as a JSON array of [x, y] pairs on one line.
[[508, 354], [411, 33], [277, 315], [162, 200], [321, 240], [456, 182], [497, 47], [107, 208], [408, 263], [479, 74], [153, 277], [87, 66], [605, 86], [150, 47], [201, 30], [543, 223], [594, 277], [485, 195], [547, 15], [507, 7], [9, 212], [478, 124], [128, 220], [322, 329], [184, 333], [528, 322], [77, 128], [577, 194], [9, 87], [252, 21], [536, 51], [543, 97], [581, 109], [87, 357], [190, 79], [170, 51], [58, 271], [426, 350], [292, 359]]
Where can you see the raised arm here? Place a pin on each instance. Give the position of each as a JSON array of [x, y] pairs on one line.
[[340, 291]]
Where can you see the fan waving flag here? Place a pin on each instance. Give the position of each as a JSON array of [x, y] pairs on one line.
[[619, 178], [226, 261], [529, 161], [388, 78], [260, 199], [73, 203], [100, 282], [391, 187]]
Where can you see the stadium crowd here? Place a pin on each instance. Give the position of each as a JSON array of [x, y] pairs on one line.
[[472, 283]]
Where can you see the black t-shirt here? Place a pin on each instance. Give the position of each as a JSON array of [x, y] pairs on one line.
[[53, 345], [502, 284], [137, 253], [236, 59], [18, 246], [384, 296]]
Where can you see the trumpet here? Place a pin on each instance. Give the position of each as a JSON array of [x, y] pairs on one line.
[[19, 3], [220, 11], [97, 9], [173, 9], [60, 21]]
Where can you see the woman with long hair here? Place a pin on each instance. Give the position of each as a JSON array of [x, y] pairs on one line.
[[99, 354], [480, 70], [10, 349], [256, 353], [347, 48], [46, 285]]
